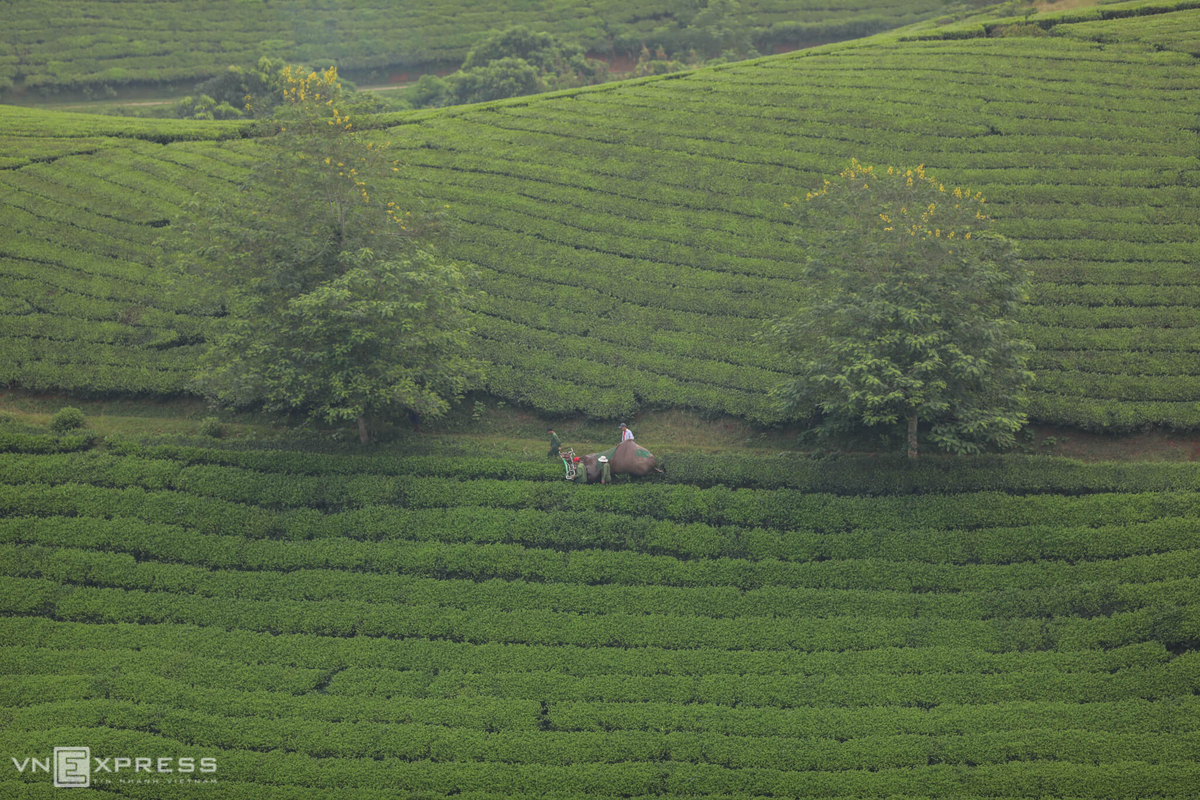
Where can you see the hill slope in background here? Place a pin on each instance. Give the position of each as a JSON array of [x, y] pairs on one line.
[[632, 237], [49, 47]]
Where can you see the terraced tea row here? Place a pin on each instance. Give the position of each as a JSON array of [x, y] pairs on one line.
[[83, 308], [321, 624]]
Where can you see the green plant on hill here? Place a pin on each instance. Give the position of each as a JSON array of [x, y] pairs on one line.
[[205, 107], [212, 428], [332, 305], [1017, 29], [510, 63], [911, 314], [495, 80], [237, 92], [67, 419], [256, 90]]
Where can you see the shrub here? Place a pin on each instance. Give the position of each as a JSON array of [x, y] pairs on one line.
[[212, 427], [1017, 29], [67, 419], [8, 419]]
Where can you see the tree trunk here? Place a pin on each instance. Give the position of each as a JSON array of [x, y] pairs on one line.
[[912, 435], [362, 428]]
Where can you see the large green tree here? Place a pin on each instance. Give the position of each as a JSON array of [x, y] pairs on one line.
[[910, 320], [333, 302]]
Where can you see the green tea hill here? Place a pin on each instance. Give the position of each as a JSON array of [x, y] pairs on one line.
[[633, 237], [105, 44]]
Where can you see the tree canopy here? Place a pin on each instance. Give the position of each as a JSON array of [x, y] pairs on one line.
[[513, 62], [911, 316], [334, 302]]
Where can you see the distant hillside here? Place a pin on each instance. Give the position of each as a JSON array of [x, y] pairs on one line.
[[632, 237], [47, 47]]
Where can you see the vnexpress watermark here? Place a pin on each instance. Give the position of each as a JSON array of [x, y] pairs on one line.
[[72, 766], [77, 767]]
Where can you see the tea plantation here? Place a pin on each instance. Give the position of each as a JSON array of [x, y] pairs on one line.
[[333, 626], [315, 622], [643, 226], [99, 44]]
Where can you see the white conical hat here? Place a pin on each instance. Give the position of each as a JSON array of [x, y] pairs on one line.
[[603, 459]]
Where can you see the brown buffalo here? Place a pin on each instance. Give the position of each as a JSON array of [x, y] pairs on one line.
[[627, 458]]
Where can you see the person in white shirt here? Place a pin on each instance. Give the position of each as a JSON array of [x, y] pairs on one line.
[[626, 434]]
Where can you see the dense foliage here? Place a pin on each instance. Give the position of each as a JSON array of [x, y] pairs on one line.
[[511, 63], [331, 626], [910, 320], [329, 305]]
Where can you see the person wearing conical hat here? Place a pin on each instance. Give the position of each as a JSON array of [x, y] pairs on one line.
[[605, 470]]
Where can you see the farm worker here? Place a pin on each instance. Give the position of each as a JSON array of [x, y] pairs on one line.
[[605, 470], [580, 471], [626, 434], [554, 443]]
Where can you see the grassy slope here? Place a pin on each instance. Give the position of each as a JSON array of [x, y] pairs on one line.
[[633, 236], [95, 43]]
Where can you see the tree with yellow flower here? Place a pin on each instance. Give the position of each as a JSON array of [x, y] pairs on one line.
[[910, 325], [334, 302]]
